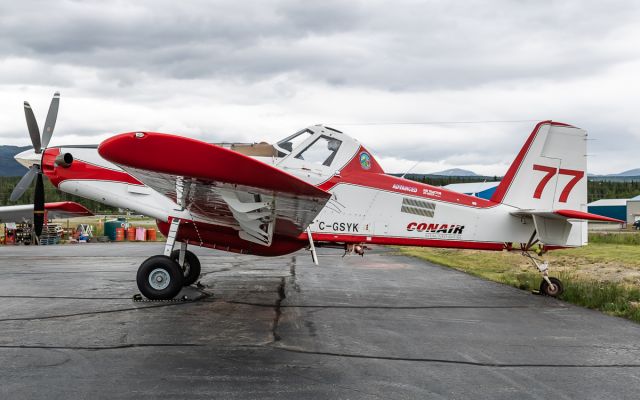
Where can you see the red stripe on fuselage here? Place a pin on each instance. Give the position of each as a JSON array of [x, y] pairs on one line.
[[81, 170], [387, 182], [403, 241], [375, 178]]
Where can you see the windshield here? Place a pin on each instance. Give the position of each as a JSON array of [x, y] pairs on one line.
[[321, 151], [286, 146]]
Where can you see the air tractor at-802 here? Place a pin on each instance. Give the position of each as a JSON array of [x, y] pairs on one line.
[[317, 187]]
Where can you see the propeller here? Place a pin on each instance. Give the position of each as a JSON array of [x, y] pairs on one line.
[[40, 143]]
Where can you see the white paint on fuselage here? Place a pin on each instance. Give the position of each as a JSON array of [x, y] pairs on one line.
[[378, 213]]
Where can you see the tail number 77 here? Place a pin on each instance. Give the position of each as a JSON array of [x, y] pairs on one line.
[[550, 172]]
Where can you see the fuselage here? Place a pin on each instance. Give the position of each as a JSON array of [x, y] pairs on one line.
[[367, 205]]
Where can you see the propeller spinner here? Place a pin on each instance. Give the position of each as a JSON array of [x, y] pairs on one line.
[[32, 159]]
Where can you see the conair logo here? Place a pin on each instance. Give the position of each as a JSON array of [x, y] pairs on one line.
[[550, 172], [435, 228]]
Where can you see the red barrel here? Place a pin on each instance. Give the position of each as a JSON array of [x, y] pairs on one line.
[[131, 234], [119, 234], [151, 235]]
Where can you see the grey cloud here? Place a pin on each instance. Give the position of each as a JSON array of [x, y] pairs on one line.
[[407, 46]]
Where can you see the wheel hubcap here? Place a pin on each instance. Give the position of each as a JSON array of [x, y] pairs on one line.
[[159, 279]]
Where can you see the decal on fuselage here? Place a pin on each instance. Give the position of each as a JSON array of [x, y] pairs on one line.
[[431, 192], [436, 231], [410, 189], [365, 160], [352, 227]]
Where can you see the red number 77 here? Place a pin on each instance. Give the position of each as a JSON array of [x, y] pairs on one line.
[[550, 172]]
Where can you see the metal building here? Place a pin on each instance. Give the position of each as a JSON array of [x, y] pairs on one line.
[[612, 208], [633, 210]]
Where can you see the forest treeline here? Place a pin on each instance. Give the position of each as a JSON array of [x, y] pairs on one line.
[[596, 190]]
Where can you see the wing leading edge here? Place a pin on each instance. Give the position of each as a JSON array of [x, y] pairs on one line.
[[218, 185]]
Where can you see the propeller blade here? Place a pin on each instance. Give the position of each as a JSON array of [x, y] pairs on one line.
[[24, 183], [32, 124], [50, 123], [38, 206]]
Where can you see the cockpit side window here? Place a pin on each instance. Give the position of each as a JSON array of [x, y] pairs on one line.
[[322, 151], [286, 146]]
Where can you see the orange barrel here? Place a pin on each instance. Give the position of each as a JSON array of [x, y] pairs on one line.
[[131, 234], [151, 235], [119, 234]]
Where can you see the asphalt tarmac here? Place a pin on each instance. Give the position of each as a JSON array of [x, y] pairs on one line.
[[383, 326]]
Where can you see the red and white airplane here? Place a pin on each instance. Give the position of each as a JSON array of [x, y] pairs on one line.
[[317, 187]]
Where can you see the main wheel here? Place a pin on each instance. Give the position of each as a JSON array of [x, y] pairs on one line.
[[159, 278], [555, 291], [190, 267]]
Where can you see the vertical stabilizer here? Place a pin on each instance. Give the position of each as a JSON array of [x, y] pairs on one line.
[[549, 172]]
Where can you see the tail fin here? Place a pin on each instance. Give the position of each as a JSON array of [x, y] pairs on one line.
[[549, 171]]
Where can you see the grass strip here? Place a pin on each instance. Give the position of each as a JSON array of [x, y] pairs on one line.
[[583, 287]]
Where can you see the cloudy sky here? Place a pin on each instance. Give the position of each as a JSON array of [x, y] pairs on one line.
[[253, 71]]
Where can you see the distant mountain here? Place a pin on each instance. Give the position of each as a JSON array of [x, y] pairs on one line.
[[631, 172], [626, 176], [9, 166], [455, 172]]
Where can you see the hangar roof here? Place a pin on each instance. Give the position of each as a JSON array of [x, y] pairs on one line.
[[608, 202]]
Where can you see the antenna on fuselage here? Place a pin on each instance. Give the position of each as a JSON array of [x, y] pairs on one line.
[[411, 169]]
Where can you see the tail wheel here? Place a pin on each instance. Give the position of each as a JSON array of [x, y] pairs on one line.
[[159, 278], [553, 291], [190, 267]]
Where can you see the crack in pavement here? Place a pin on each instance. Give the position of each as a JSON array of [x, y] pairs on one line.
[[62, 297], [96, 348], [278, 311], [446, 361], [91, 312], [282, 295], [247, 303], [86, 271]]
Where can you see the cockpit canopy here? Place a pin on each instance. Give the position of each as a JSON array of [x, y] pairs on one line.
[[316, 145]]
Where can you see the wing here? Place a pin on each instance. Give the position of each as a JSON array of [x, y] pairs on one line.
[[66, 209], [219, 185]]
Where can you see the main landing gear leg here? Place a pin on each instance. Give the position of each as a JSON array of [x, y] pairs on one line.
[[189, 264], [160, 277]]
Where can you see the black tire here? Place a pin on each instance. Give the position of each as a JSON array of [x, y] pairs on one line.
[[190, 268], [168, 275], [546, 290]]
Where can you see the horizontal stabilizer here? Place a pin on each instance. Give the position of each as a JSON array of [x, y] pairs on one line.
[[566, 214], [564, 228]]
